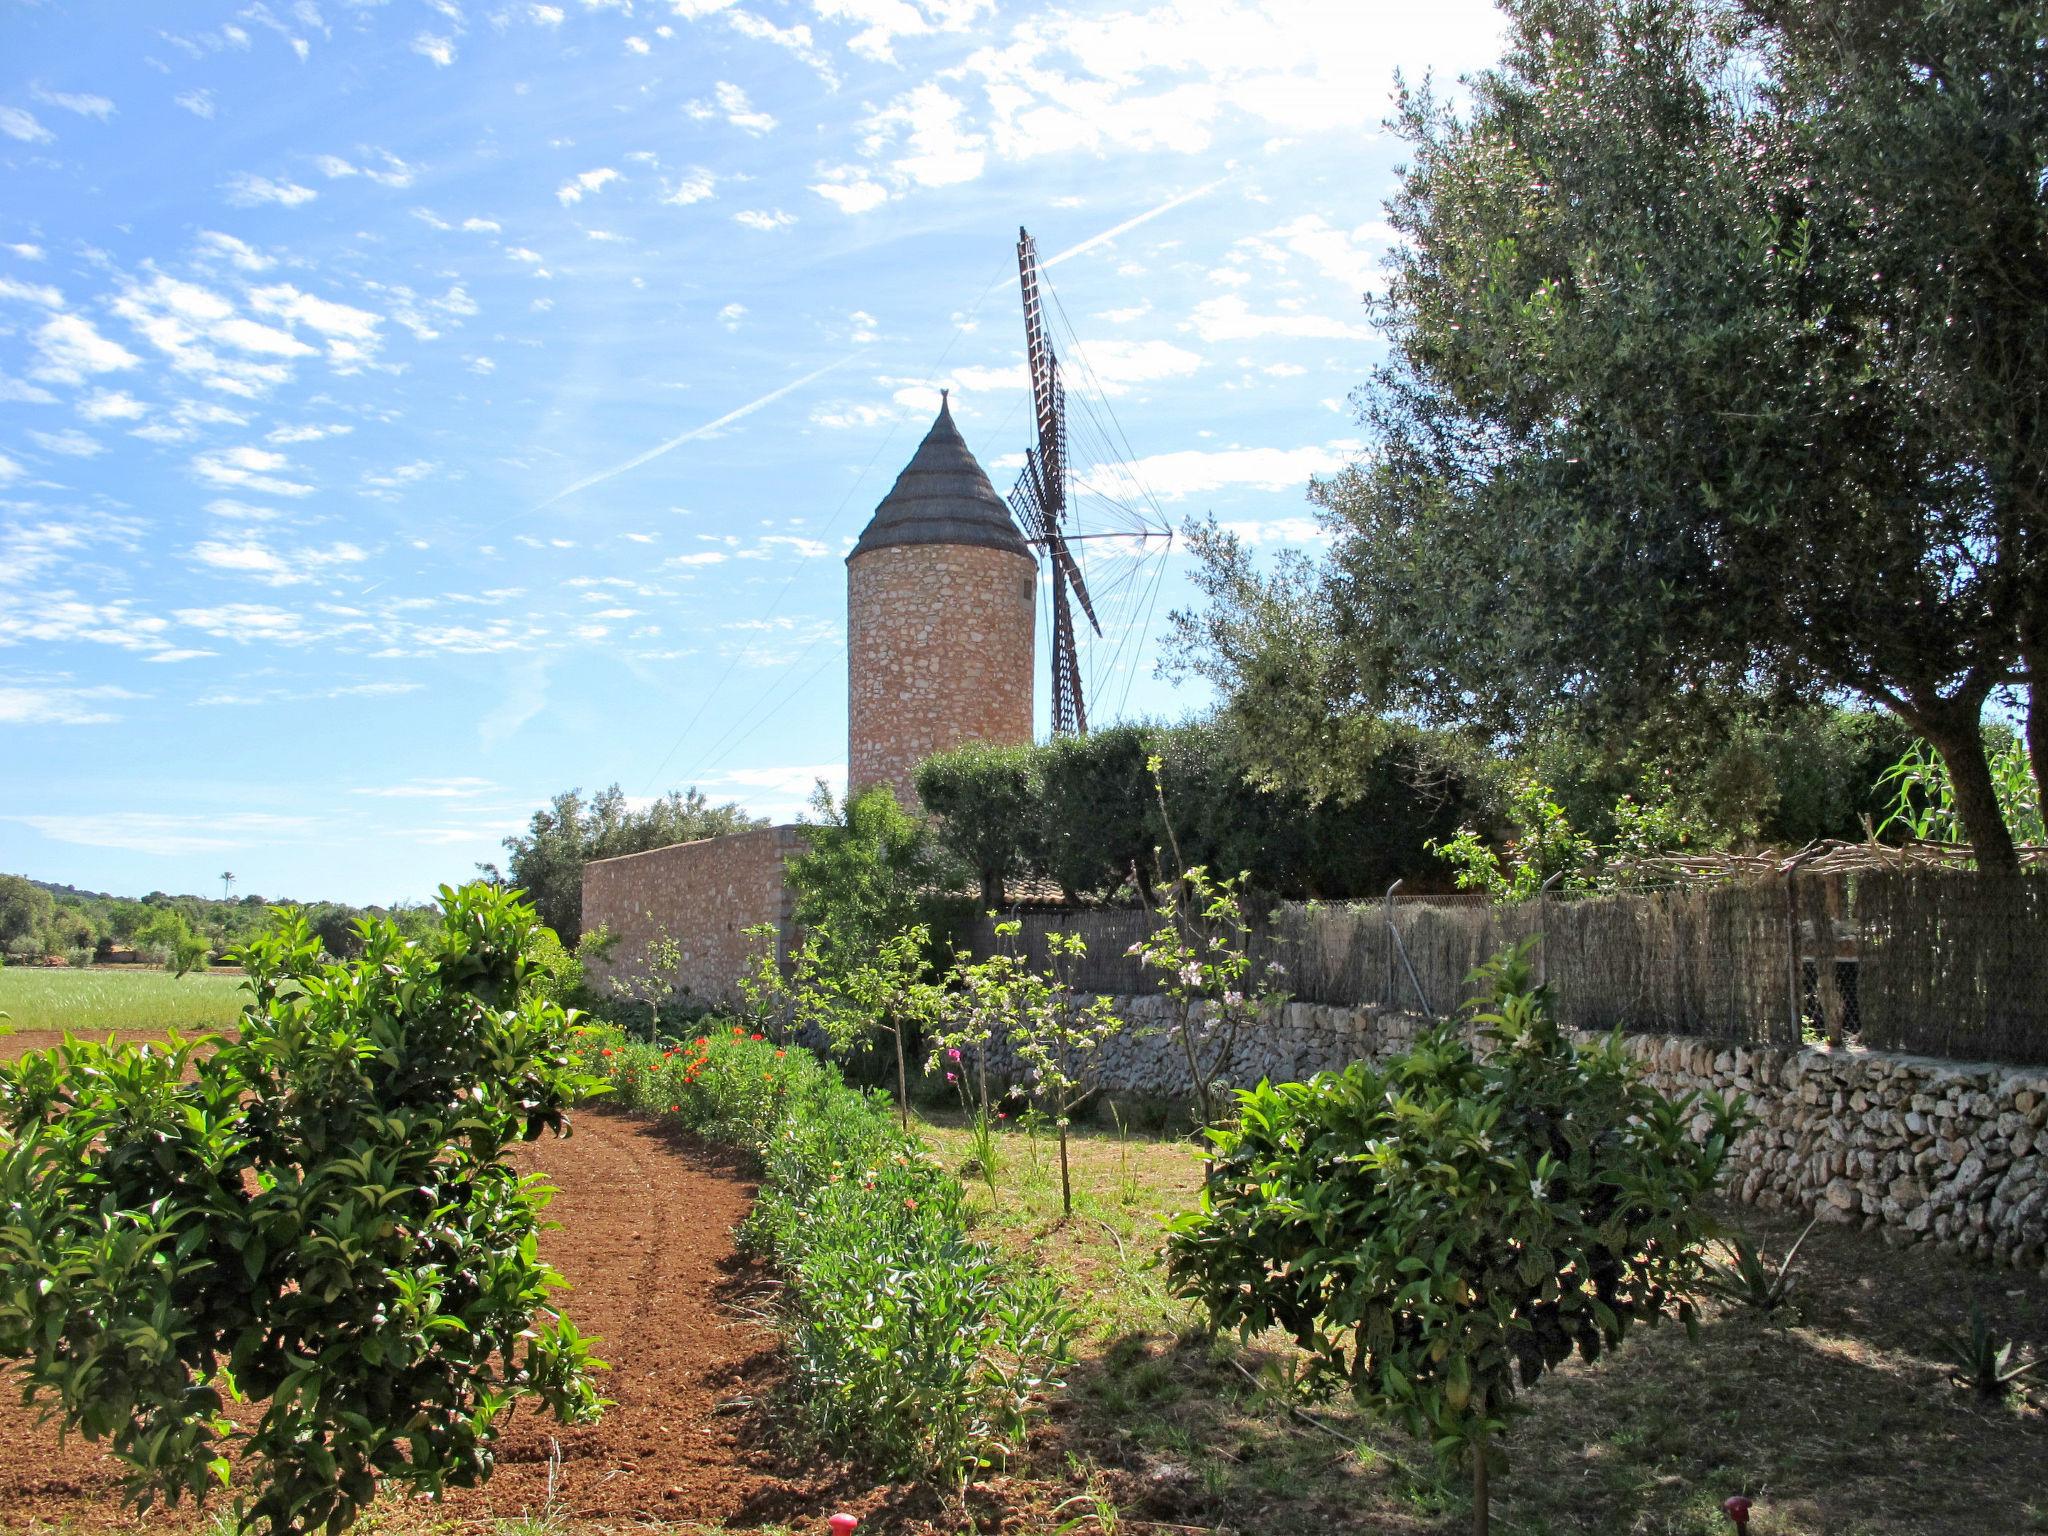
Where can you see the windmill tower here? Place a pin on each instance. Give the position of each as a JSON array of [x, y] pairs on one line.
[[940, 618], [1040, 500]]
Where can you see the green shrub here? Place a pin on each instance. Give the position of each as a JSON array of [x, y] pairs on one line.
[[315, 1217], [1439, 1231], [987, 799], [912, 1346]]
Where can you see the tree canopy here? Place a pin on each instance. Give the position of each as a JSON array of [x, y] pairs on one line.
[[1717, 339]]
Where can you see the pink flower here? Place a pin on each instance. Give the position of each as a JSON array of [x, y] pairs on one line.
[[1191, 975], [1233, 999], [953, 1055], [951, 1078]]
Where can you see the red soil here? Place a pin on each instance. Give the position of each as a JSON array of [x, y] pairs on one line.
[[645, 1239]]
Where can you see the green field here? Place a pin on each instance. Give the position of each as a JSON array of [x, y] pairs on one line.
[[92, 1002]]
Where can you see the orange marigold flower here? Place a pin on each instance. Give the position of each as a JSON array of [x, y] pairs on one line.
[[780, 1054]]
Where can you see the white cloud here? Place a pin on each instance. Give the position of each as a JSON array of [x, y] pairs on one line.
[[71, 348], [307, 434], [482, 226], [731, 316], [31, 293], [797, 40], [881, 22], [251, 469], [639, 45], [483, 365], [696, 185], [1348, 256], [274, 568], [85, 105], [576, 187], [246, 191], [1227, 317], [1279, 530], [287, 303], [521, 253], [244, 256], [246, 622], [39, 705], [763, 220], [850, 188], [9, 470], [20, 392], [545, 15], [863, 325], [24, 250], [1194, 471], [730, 102], [440, 49], [19, 124], [941, 149], [392, 172], [429, 789], [169, 835], [199, 103], [71, 442]]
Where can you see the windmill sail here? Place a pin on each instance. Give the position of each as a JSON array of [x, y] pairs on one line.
[[1040, 500]]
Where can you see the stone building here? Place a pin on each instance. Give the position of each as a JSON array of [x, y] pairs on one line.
[[941, 606]]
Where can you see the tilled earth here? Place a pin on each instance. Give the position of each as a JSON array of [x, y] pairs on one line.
[[644, 1237]]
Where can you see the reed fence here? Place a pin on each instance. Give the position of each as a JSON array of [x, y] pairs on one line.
[[1924, 959]]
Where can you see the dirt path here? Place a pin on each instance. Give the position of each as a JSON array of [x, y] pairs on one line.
[[645, 1240]]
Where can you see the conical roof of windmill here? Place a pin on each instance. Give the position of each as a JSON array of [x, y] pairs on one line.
[[942, 497]]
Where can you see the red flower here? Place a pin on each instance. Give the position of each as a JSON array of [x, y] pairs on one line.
[[757, 1037]]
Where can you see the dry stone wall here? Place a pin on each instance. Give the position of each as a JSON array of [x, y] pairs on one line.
[[1917, 1148], [703, 895], [938, 654]]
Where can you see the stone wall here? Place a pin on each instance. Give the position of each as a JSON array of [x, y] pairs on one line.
[[704, 895], [1915, 1147], [938, 653]]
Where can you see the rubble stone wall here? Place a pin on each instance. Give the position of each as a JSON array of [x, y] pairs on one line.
[[703, 895], [1918, 1148], [938, 654]]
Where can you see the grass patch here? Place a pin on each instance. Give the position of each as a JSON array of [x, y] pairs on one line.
[[1839, 1421], [102, 999]]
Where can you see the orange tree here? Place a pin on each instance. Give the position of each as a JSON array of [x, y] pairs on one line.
[[314, 1217], [1438, 1232]]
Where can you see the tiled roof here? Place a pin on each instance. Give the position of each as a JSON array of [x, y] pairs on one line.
[[942, 497]]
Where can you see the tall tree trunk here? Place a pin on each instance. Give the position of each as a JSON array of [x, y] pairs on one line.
[[1955, 729]]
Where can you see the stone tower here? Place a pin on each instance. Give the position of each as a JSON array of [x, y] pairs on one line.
[[940, 609]]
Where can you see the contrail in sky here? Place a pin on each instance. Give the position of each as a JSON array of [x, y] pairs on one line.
[[705, 430], [776, 394], [1129, 224]]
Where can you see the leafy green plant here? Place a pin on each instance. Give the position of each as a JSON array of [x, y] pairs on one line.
[[1201, 950], [1982, 1362], [913, 1347], [656, 984], [1059, 1039], [1443, 1230], [1923, 796], [315, 1217], [1548, 850], [1745, 1277]]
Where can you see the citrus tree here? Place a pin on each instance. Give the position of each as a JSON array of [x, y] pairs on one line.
[[314, 1217], [1441, 1231]]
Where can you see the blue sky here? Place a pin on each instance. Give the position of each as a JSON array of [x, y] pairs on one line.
[[410, 410]]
